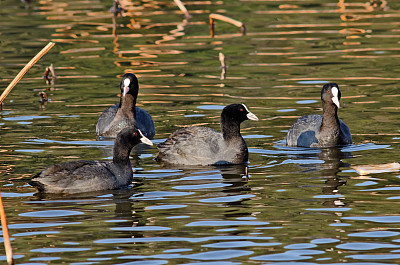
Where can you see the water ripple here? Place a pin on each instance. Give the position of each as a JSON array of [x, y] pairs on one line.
[[290, 255], [365, 246], [40, 225], [373, 234], [238, 244], [177, 239], [202, 186], [141, 228], [51, 213], [376, 219], [228, 199], [375, 257], [58, 250], [225, 223]]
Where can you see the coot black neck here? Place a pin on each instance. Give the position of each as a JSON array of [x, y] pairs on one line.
[[329, 116], [121, 153], [230, 127], [128, 104]]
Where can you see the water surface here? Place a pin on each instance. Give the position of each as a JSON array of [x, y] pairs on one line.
[[295, 205]]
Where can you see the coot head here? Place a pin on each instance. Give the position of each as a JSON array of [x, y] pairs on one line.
[[132, 136], [330, 93], [129, 85], [238, 112]]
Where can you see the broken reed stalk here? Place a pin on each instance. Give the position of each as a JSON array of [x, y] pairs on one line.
[[53, 71], [6, 236], [46, 73], [116, 8], [24, 70], [232, 21], [182, 8], [223, 65]]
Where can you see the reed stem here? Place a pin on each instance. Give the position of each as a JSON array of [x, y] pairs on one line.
[[232, 21], [182, 8], [223, 65], [6, 236], [24, 70]]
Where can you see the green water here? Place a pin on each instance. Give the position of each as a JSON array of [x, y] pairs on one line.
[[298, 206]]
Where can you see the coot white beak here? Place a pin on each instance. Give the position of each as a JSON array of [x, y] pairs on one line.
[[251, 116], [335, 98], [126, 87], [144, 139]]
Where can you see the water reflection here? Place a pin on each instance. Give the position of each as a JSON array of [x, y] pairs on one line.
[[291, 208], [330, 171], [328, 162]]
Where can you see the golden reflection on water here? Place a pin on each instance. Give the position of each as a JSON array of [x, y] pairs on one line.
[[140, 38]]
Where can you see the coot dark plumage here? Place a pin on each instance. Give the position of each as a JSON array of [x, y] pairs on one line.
[[325, 130], [125, 113], [205, 146], [85, 176]]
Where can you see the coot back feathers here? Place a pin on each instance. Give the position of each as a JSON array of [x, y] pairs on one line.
[[205, 146]]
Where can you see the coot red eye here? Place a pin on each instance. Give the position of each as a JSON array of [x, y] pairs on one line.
[[241, 109], [135, 134], [328, 91]]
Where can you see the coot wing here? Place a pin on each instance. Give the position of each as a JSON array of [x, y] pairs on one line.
[[106, 118], [191, 146], [109, 127], [145, 123], [304, 130], [75, 176], [345, 133]]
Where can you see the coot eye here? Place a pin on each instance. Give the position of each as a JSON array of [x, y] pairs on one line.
[[241, 109], [134, 134]]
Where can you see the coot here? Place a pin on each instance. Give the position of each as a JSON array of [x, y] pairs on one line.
[[205, 146], [85, 176], [325, 130], [125, 113]]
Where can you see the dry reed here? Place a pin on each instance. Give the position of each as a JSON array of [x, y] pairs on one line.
[[6, 236], [232, 21], [24, 70]]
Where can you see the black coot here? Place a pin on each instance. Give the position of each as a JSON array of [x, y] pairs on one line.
[[325, 130], [205, 146], [86, 176], [125, 113]]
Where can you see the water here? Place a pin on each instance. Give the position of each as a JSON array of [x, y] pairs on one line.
[[296, 206]]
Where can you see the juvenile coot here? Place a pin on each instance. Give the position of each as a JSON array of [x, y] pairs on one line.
[[325, 130], [85, 176], [125, 113], [205, 146]]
